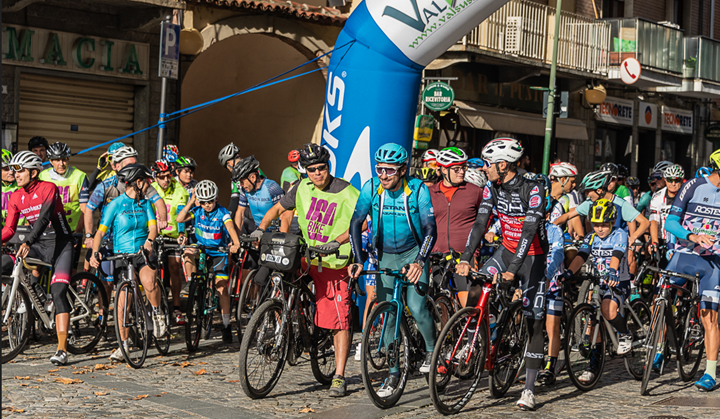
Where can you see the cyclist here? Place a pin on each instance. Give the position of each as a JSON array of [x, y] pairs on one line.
[[427, 175], [175, 197], [227, 157], [694, 220], [39, 145], [8, 180], [621, 190], [703, 172], [291, 175], [213, 227], [256, 192], [456, 205], [661, 203], [170, 154], [608, 245], [404, 232], [325, 206], [633, 184], [519, 204], [565, 197], [104, 168], [71, 182], [656, 182], [429, 158], [477, 177], [185, 169], [131, 219], [50, 239]]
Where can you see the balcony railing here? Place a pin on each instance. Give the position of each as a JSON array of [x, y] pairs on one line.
[[702, 59], [525, 29], [653, 45]]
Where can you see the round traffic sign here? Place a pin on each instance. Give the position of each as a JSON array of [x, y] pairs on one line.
[[630, 70]]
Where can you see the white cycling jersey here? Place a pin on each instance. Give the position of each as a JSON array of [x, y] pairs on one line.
[[565, 204], [659, 209]]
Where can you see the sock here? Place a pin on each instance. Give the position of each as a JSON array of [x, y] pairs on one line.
[[551, 363], [125, 344], [620, 324], [530, 376], [710, 369], [62, 341], [156, 310], [338, 377], [226, 319]]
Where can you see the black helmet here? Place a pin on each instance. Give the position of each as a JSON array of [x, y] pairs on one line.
[[58, 151], [37, 141], [610, 167], [313, 154], [244, 168], [133, 172], [622, 171], [426, 174], [185, 162]]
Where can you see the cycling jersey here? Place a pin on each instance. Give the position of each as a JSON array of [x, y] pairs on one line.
[[7, 190], [695, 210], [73, 187], [659, 209], [454, 217], [623, 192], [260, 201], [564, 205], [603, 250], [289, 176], [41, 205], [644, 201], [190, 187], [625, 211], [129, 221], [110, 189], [210, 228], [175, 197]]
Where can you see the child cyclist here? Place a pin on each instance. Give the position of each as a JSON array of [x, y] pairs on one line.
[[213, 228], [608, 245]]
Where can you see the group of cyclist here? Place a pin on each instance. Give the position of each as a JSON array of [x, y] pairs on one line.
[[453, 205]]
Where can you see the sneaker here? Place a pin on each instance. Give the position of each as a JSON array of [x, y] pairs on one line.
[[388, 386], [179, 317], [425, 367], [546, 377], [527, 400], [358, 352], [338, 387], [159, 326], [624, 343], [185, 289], [60, 358], [117, 356], [227, 336], [705, 383], [587, 376], [657, 363]]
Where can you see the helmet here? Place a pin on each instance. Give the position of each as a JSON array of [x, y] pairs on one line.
[[622, 171], [301, 169], [161, 166], [229, 152], [451, 156], [26, 160], [6, 157], [244, 168], [58, 151], [674, 172], [563, 169], [114, 147], [602, 211], [182, 162], [206, 190], [612, 168], [502, 149], [170, 153], [661, 166], [123, 153], [391, 153], [596, 180], [529, 175], [476, 176], [427, 174], [37, 141], [430, 155], [632, 181], [701, 172], [476, 163], [543, 180], [293, 156], [133, 172], [313, 154], [715, 160]]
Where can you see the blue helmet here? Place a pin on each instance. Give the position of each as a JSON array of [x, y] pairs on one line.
[[114, 146], [476, 163], [391, 153], [703, 172]]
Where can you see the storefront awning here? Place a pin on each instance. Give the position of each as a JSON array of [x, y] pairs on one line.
[[496, 119]]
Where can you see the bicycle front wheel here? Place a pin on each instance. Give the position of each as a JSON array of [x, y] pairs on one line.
[[653, 344], [88, 315], [585, 349], [322, 345], [248, 301], [162, 343], [635, 359], [509, 349], [195, 315], [130, 314], [691, 343], [16, 331]]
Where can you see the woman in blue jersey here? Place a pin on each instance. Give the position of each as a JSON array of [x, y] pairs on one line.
[[131, 219]]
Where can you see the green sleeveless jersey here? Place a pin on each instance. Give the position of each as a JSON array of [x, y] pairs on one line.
[[289, 176], [175, 197], [73, 188]]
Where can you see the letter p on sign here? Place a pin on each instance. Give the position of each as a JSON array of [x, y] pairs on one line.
[[169, 50]]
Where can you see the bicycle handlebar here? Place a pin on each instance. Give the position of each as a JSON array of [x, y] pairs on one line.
[[675, 274], [398, 277]]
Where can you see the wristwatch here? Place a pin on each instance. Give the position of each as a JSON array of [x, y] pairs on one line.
[[88, 236]]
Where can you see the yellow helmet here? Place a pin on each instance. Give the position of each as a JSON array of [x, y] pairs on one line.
[[602, 211], [715, 160]]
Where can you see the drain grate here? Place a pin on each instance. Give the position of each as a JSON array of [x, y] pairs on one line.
[[690, 402]]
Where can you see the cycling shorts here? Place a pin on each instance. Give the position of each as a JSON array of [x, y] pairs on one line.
[[331, 297], [554, 298], [138, 262], [709, 269], [219, 265], [58, 253], [619, 297]]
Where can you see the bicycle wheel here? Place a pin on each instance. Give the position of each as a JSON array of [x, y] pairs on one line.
[[652, 344], [635, 359], [445, 309], [295, 343], [263, 350], [162, 343], [379, 342], [87, 325], [458, 361], [580, 354], [508, 349], [691, 342], [584, 292], [248, 301], [195, 315], [16, 331], [130, 313]]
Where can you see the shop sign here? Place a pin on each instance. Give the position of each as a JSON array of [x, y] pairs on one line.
[[424, 125], [42, 48], [712, 133], [616, 110], [438, 96], [648, 115], [677, 120]]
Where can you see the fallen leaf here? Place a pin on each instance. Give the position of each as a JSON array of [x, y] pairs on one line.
[[53, 375], [62, 368], [158, 395], [23, 384], [307, 410], [186, 364], [109, 373], [127, 366], [101, 393], [140, 397], [202, 363], [233, 381], [13, 409], [80, 372], [34, 387], [163, 392], [68, 380], [17, 377], [92, 376], [39, 380], [100, 367], [55, 370], [201, 372]]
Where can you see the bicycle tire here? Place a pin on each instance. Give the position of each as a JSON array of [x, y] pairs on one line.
[[509, 350], [266, 320], [295, 341], [693, 338], [93, 330], [577, 351], [583, 292], [138, 333], [658, 325], [162, 344], [635, 359], [248, 301], [12, 346], [194, 310], [445, 309], [322, 350]]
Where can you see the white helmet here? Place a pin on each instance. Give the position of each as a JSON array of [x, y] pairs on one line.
[[430, 155], [206, 190], [26, 160], [502, 149], [301, 169], [674, 172], [661, 166], [123, 153], [476, 176], [451, 156], [229, 152], [563, 169]]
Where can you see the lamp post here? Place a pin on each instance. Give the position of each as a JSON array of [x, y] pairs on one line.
[[551, 97]]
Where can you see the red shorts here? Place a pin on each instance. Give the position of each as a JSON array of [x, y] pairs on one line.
[[332, 298]]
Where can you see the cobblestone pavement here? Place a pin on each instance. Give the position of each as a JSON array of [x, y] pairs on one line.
[[205, 384]]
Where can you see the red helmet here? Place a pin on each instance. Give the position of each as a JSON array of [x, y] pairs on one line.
[[293, 156], [161, 166]]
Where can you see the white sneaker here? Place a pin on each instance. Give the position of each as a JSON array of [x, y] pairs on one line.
[[60, 358], [117, 356], [388, 386], [527, 400], [358, 352], [587, 377], [159, 326], [624, 343]]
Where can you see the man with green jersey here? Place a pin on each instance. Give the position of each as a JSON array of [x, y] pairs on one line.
[[175, 197], [71, 182], [291, 174]]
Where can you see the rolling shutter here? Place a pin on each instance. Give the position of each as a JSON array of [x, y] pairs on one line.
[[77, 112]]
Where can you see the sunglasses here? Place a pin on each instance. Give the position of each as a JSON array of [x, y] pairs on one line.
[[321, 168], [163, 177], [16, 167], [205, 202], [673, 180], [388, 171]]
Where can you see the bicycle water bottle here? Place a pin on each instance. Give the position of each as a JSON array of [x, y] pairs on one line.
[[493, 332]]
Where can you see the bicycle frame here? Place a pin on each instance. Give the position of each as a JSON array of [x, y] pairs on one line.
[[624, 308], [136, 293], [663, 298]]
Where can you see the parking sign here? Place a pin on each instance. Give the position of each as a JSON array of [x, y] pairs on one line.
[[169, 50]]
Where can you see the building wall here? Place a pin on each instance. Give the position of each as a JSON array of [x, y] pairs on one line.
[[650, 9]]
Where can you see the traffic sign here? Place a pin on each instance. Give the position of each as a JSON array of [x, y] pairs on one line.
[[438, 96], [630, 71], [169, 50]]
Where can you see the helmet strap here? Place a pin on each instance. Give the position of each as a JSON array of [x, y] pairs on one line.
[[500, 173]]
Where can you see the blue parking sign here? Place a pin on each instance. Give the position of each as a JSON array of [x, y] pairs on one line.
[[169, 50]]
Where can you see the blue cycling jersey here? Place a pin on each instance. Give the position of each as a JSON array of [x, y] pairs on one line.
[[260, 201], [556, 253], [111, 188], [129, 221], [210, 229], [602, 251], [695, 210]]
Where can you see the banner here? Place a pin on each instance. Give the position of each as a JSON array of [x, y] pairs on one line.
[[616, 110], [677, 120]]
